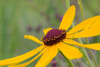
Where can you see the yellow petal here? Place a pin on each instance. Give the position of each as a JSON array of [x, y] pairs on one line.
[[21, 58], [47, 56], [83, 24], [33, 38], [12, 65], [27, 63], [46, 30], [85, 33], [92, 30], [68, 18], [95, 46], [69, 51]]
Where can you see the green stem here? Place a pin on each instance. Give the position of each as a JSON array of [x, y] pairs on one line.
[[67, 3], [80, 5], [70, 63], [91, 53], [82, 13], [85, 53], [93, 57]]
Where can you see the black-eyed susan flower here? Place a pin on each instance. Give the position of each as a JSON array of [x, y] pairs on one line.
[[58, 39]]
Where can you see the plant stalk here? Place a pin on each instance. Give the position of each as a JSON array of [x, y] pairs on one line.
[[69, 61], [83, 17]]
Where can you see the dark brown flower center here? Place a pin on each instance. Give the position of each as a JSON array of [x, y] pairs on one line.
[[53, 37]]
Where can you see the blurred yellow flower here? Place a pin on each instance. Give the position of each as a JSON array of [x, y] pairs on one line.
[[58, 39]]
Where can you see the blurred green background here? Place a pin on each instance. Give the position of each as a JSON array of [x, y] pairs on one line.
[[20, 17]]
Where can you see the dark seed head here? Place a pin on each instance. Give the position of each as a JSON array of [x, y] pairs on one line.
[[53, 37]]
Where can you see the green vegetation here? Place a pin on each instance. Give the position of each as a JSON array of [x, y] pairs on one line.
[[20, 17]]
